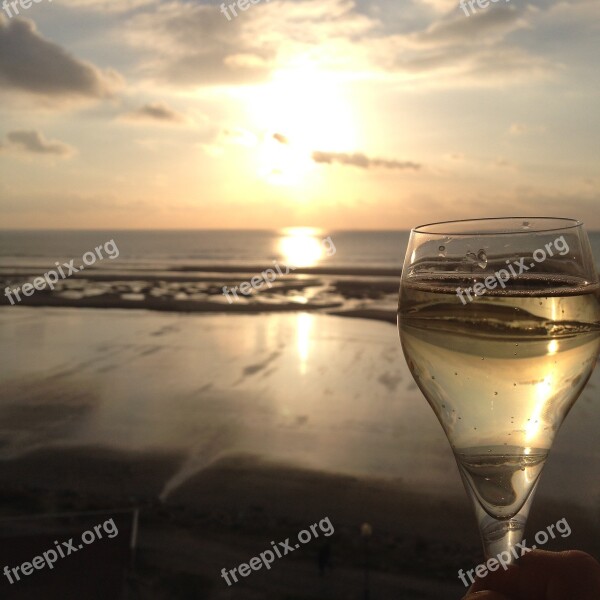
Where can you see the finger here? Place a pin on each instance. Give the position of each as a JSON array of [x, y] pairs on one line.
[[503, 581], [486, 595], [542, 575], [557, 575]]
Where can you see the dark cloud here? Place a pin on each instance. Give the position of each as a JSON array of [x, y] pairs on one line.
[[34, 142], [29, 63], [362, 161], [156, 112]]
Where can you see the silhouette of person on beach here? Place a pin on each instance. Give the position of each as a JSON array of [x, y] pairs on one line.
[[324, 558], [541, 575]]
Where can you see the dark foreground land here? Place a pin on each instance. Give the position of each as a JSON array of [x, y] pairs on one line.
[[233, 509]]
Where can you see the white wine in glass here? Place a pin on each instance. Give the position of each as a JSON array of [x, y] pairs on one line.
[[499, 321]]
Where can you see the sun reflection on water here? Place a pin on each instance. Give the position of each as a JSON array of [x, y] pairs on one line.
[[304, 322], [301, 246]]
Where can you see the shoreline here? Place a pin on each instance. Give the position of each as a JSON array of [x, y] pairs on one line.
[[316, 290], [240, 269], [191, 307]]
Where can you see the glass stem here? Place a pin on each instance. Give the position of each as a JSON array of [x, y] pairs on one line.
[[501, 536]]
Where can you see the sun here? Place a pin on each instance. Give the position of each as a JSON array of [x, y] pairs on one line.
[[310, 111], [283, 163]]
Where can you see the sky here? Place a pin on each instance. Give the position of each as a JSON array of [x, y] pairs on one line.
[[338, 114]]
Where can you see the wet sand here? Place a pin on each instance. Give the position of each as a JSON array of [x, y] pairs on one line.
[[233, 430], [213, 385]]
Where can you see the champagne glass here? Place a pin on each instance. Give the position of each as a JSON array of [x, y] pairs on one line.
[[499, 321]]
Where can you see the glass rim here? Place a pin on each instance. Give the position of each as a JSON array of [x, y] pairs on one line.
[[568, 223]]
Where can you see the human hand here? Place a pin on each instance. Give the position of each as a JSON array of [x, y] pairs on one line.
[[541, 575]]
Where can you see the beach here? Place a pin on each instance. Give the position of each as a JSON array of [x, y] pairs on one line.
[[231, 423], [232, 430]]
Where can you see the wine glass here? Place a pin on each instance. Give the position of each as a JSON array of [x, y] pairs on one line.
[[499, 321]]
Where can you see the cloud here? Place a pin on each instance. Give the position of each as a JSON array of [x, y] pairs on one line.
[[54, 208], [503, 163], [156, 111], [239, 136], [31, 64], [517, 129], [362, 161], [249, 49], [442, 49], [280, 138], [488, 25], [456, 51], [442, 6], [110, 6], [34, 142], [170, 35]]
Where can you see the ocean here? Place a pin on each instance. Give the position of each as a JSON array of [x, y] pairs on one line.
[[198, 248], [168, 249], [188, 271]]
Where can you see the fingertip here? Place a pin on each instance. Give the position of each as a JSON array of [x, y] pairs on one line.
[[486, 595], [504, 581], [572, 573]]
